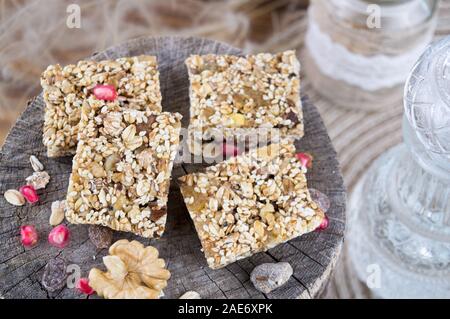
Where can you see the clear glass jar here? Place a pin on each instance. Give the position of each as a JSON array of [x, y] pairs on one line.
[[443, 25], [400, 211], [358, 53]]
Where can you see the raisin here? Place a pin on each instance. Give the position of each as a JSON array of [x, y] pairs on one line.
[[100, 236], [275, 206], [147, 127], [157, 213], [293, 117], [55, 275]]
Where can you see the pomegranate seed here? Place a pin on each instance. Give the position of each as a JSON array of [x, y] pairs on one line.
[[83, 286], [230, 150], [305, 158], [59, 236], [29, 193], [324, 224], [105, 92], [28, 235]]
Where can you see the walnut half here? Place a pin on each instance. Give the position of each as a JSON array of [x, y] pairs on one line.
[[133, 272]]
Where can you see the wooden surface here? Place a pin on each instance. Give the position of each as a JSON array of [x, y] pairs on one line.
[[313, 256]]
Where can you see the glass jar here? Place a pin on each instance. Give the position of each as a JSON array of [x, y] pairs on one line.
[[400, 211], [359, 53], [443, 25]]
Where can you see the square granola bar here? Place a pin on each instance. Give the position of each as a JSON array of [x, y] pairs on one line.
[[250, 203], [234, 97], [121, 170], [136, 80]]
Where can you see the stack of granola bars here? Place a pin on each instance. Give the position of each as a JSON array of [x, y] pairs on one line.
[[109, 115]]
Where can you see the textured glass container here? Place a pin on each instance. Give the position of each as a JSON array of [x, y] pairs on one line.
[[358, 53], [400, 211]]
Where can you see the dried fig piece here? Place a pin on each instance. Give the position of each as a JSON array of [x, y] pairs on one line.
[[293, 117], [147, 127], [157, 213], [55, 275], [208, 112], [257, 96], [100, 236]]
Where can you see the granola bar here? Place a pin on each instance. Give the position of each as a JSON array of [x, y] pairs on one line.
[[121, 170], [243, 97], [250, 203], [136, 80]]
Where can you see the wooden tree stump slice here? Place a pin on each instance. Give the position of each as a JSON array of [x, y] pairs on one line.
[[312, 256]]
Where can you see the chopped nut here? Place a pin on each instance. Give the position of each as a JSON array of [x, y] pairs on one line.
[[38, 180], [237, 120], [259, 228], [97, 170], [36, 164], [133, 272], [288, 185], [113, 123], [111, 161], [145, 158], [14, 197], [268, 208], [230, 218], [57, 215], [247, 189], [190, 295]]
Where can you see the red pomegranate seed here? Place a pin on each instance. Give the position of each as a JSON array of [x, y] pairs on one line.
[[305, 158], [105, 92], [324, 224], [59, 236], [230, 150], [28, 235], [83, 286], [29, 193]]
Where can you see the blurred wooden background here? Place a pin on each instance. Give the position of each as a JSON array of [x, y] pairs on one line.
[[33, 33]]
